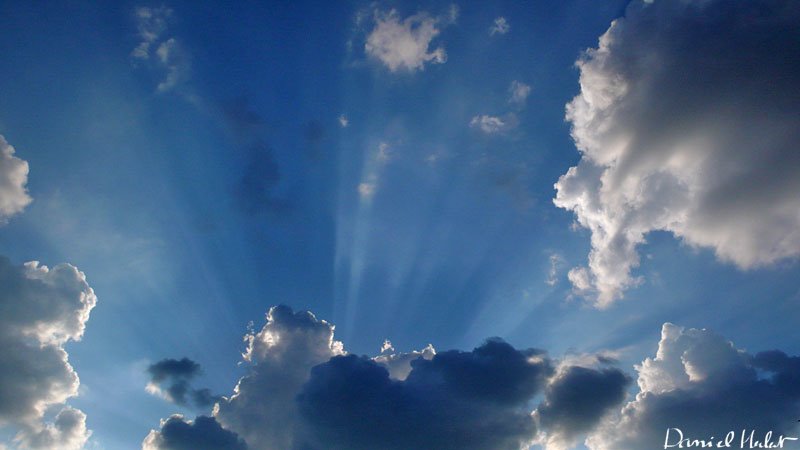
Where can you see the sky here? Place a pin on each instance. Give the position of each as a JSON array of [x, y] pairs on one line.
[[420, 224]]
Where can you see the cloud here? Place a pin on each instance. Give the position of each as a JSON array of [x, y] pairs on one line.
[[204, 433], [575, 402], [687, 121], [255, 190], [377, 160], [13, 178], [556, 262], [174, 61], [67, 432], [151, 23], [302, 391], [171, 379], [343, 121], [500, 26], [170, 58], [41, 309], [262, 409], [703, 385], [404, 44], [399, 364], [518, 93], [458, 400], [493, 124]]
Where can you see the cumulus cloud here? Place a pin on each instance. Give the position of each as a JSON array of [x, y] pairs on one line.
[[262, 409], [518, 93], [575, 402], [493, 124], [556, 263], [41, 309], [688, 121], [13, 178], [67, 432], [499, 26], [171, 379], [404, 44], [703, 385], [204, 433], [456, 400], [302, 391]]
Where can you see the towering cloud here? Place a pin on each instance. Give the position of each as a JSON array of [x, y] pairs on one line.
[[688, 121], [41, 309], [702, 385], [13, 177], [262, 409], [404, 44]]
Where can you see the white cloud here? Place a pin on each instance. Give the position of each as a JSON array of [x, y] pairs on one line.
[[404, 44], [493, 124], [367, 189], [262, 409], [373, 168], [151, 23], [500, 26], [518, 93], [399, 364], [556, 263], [42, 310], [170, 58], [67, 432], [671, 141], [13, 178], [343, 121], [702, 384]]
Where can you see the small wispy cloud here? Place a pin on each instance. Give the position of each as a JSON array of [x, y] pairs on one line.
[[500, 26], [556, 264], [493, 124], [161, 53], [344, 122], [518, 93]]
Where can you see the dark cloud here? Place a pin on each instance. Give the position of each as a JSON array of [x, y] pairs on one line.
[[240, 118], [303, 392], [575, 401], [458, 400], [172, 379], [204, 433], [314, 135], [255, 191], [688, 121], [703, 385]]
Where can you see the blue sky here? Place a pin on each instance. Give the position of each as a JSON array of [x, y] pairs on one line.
[[391, 168]]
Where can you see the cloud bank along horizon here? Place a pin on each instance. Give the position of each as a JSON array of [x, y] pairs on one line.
[[302, 390]]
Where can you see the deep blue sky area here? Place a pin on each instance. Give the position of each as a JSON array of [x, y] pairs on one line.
[[262, 154]]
